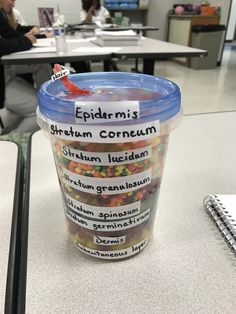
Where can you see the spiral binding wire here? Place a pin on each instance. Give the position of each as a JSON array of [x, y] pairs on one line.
[[220, 217]]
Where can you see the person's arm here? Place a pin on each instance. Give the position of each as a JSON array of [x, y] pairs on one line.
[[102, 15], [20, 43], [87, 17], [7, 31], [83, 16], [106, 15], [34, 30], [24, 28]]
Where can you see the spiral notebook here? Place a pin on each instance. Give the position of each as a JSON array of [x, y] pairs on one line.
[[222, 210]]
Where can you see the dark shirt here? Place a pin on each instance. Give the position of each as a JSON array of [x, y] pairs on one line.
[[10, 41], [5, 29]]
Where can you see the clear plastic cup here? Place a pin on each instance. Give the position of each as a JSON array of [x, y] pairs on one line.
[[109, 149]]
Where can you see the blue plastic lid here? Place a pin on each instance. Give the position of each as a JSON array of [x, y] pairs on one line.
[[56, 104]]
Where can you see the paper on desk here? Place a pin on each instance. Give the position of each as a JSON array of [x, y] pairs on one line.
[[45, 42], [96, 49], [38, 50], [127, 33], [50, 42], [78, 40], [106, 25]]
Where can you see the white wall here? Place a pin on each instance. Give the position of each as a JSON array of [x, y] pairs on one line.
[[158, 10], [225, 6], [156, 15], [70, 8], [232, 22]]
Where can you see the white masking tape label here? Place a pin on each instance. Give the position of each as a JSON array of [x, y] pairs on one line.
[[104, 213], [113, 254], [108, 226], [96, 112], [106, 134], [108, 240], [107, 158], [107, 186]]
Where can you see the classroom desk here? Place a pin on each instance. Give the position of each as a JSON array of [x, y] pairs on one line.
[[85, 50], [186, 268], [137, 28], [10, 167], [148, 49], [151, 49]]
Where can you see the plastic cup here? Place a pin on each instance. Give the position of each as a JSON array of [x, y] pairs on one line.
[[109, 149]]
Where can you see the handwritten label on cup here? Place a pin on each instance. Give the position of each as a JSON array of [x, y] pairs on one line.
[[106, 134], [102, 213], [108, 240], [107, 186], [97, 112], [107, 158], [108, 226], [113, 254]]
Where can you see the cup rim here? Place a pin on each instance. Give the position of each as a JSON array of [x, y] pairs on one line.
[[163, 107]]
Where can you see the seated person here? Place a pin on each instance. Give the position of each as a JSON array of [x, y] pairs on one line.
[[17, 22], [18, 98], [40, 72], [93, 12]]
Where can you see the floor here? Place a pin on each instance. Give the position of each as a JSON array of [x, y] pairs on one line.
[[202, 91]]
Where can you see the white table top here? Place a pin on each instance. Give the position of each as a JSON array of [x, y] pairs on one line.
[[186, 268], [8, 165], [79, 50], [149, 47]]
